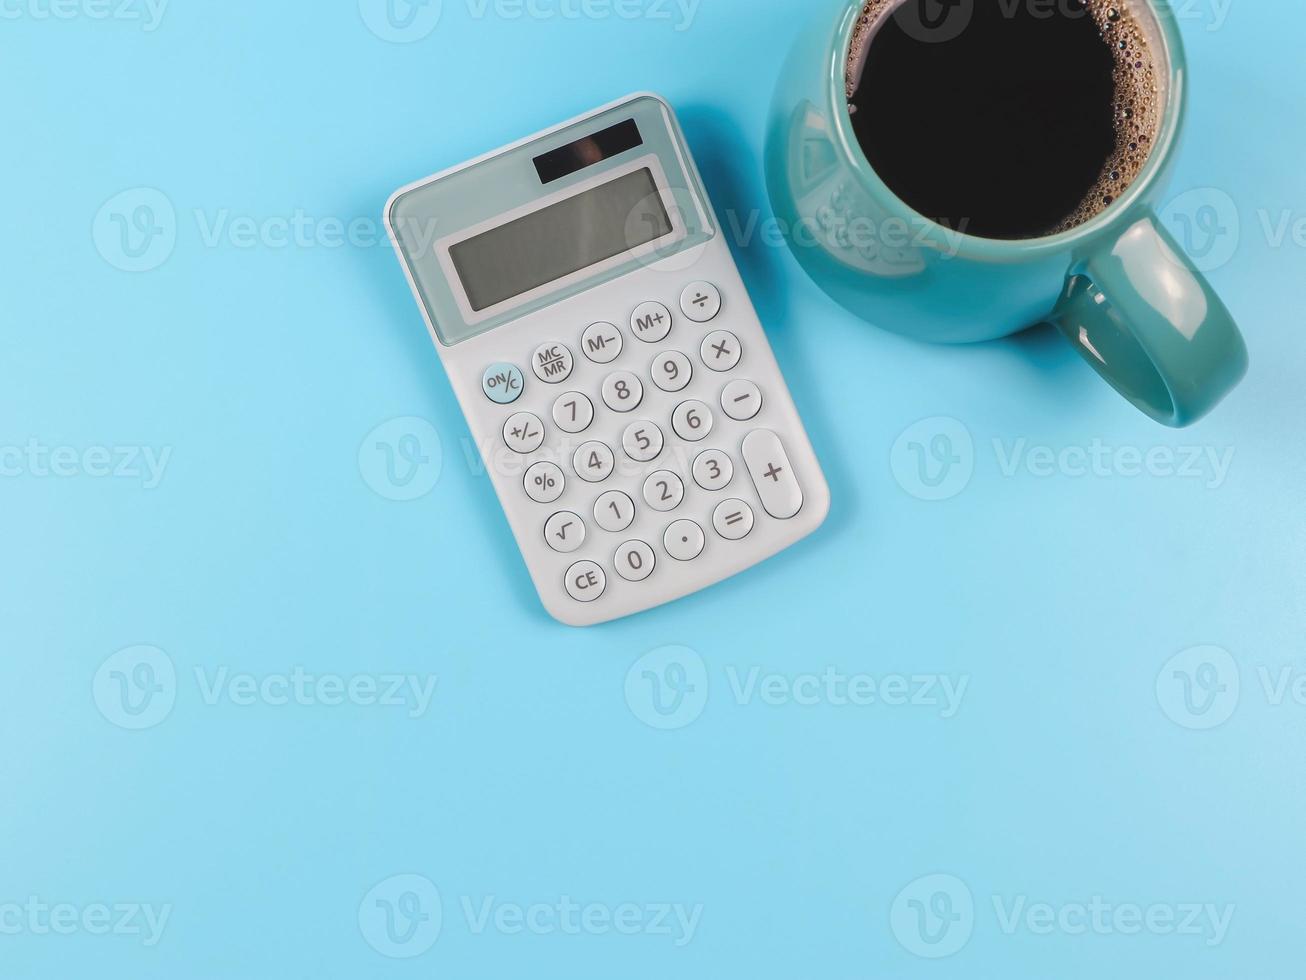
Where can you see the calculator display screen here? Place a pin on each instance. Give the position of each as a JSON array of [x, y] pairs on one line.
[[560, 239]]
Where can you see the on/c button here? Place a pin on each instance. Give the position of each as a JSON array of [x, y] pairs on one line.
[[773, 475], [585, 581]]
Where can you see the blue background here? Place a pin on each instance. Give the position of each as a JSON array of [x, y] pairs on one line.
[[1073, 767]]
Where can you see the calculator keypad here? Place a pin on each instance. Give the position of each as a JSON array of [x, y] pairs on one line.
[[674, 432]]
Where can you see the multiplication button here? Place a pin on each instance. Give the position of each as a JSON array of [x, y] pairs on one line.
[[651, 322], [701, 302], [721, 350], [585, 581]]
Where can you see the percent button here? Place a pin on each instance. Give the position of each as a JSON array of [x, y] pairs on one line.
[[545, 483]]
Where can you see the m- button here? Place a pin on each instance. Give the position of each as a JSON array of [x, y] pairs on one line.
[[773, 475]]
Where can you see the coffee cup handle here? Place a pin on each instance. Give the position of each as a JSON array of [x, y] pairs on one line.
[[1143, 315]]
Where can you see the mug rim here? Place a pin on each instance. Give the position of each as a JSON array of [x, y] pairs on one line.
[[964, 245]]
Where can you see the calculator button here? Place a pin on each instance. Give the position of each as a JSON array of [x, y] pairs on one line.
[[602, 343], [713, 470], [503, 383], [614, 511], [733, 520], [634, 561], [684, 540], [664, 491], [594, 462], [585, 581], [524, 433], [642, 442], [565, 532], [721, 350], [545, 483], [672, 371], [772, 474], [573, 412], [651, 322], [622, 391], [553, 363], [741, 400], [701, 301], [692, 421]]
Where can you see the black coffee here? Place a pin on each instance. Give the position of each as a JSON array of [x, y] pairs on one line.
[[1004, 118]]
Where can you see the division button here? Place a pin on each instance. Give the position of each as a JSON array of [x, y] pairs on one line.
[[565, 532], [684, 540], [701, 302], [585, 581], [773, 475], [503, 383], [733, 520]]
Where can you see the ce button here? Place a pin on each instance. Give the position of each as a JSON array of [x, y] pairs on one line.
[[585, 581]]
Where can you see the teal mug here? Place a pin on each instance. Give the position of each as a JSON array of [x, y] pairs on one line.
[[1119, 287]]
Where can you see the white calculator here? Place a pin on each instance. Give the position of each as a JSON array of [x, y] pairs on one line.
[[609, 361]]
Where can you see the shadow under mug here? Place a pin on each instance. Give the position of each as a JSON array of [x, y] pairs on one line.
[[1119, 287]]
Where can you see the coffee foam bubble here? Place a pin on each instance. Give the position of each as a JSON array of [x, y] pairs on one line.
[[1138, 99]]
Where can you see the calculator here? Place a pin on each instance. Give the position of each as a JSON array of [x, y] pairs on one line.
[[609, 361]]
